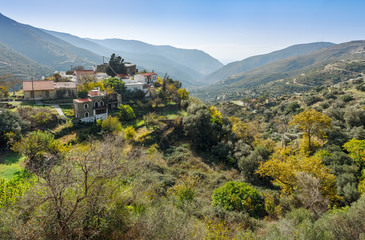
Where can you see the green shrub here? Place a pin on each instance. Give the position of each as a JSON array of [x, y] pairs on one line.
[[129, 133], [238, 196], [126, 113], [347, 98], [111, 124]]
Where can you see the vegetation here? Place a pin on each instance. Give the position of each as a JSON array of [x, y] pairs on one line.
[[116, 65], [173, 167]]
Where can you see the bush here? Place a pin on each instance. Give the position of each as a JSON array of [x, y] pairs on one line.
[[238, 196], [129, 133], [126, 113], [347, 98], [111, 124]]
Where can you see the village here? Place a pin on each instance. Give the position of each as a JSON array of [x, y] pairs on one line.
[[65, 88]]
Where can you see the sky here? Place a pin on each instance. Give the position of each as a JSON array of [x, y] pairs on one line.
[[228, 30]]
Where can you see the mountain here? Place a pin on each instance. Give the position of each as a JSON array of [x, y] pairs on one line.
[[260, 60], [236, 85], [12, 62], [186, 65], [192, 58], [44, 48]]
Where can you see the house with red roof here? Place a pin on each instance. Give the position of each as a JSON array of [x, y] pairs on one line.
[[146, 78], [96, 106], [44, 90]]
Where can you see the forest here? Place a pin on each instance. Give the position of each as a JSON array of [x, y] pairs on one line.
[[174, 167]]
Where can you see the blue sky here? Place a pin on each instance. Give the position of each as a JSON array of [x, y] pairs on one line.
[[227, 29]]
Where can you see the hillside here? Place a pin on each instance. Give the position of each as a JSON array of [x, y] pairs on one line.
[[44, 48], [260, 60], [182, 169], [12, 62], [188, 66], [237, 84]]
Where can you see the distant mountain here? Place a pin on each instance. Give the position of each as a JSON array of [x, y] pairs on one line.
[[188, 66], [260, 60], [42, 47], [191, 58], [237, 84], [12, 62]]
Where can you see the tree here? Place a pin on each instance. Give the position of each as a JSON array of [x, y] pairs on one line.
[[89, 85], [11, 122], [111, 125], [116, 84], [312, 123], [242, 130], [248, 165], [42, 151], [238, 196], [126, 113], [84, 197], [183, 94], [284, 167], [116, 65], [10, 82], [356, 148]]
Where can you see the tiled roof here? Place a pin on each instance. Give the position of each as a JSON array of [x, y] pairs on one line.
[[123, 76], [84, 72], [82, 100], [148, 74], [58, 85], [38, 85]]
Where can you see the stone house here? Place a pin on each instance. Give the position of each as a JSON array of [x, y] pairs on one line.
[[96, 106], [131, 69], [65, 89]]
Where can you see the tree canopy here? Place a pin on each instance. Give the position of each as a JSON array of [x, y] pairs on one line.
[[116, 65]]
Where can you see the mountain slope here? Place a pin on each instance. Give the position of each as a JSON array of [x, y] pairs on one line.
[[282, 69], [12, 62], [42, 47], [191, 58], [260, 60], [188, 66]]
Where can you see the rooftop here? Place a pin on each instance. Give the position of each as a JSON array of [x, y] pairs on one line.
[[58, 85], [82, 100], [38, 85], [148, 74], [84, 72]]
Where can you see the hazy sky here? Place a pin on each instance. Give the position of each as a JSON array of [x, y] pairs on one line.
[[226, 29]]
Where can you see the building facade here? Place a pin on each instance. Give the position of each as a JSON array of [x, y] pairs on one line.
[[96, 106], [47, 90]]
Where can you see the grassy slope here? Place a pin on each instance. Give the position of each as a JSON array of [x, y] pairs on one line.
[[10, 164]]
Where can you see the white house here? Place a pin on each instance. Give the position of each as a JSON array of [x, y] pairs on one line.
[[147, 78]]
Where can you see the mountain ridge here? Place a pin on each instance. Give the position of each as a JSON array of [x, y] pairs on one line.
[[354, 50], [263, 59]]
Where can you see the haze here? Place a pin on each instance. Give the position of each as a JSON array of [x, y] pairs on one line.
[[228, 30]]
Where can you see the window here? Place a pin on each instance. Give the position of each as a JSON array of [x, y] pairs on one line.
[[86, 114], [101, 103], [47, 94], [86, 106], [96, 104]]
